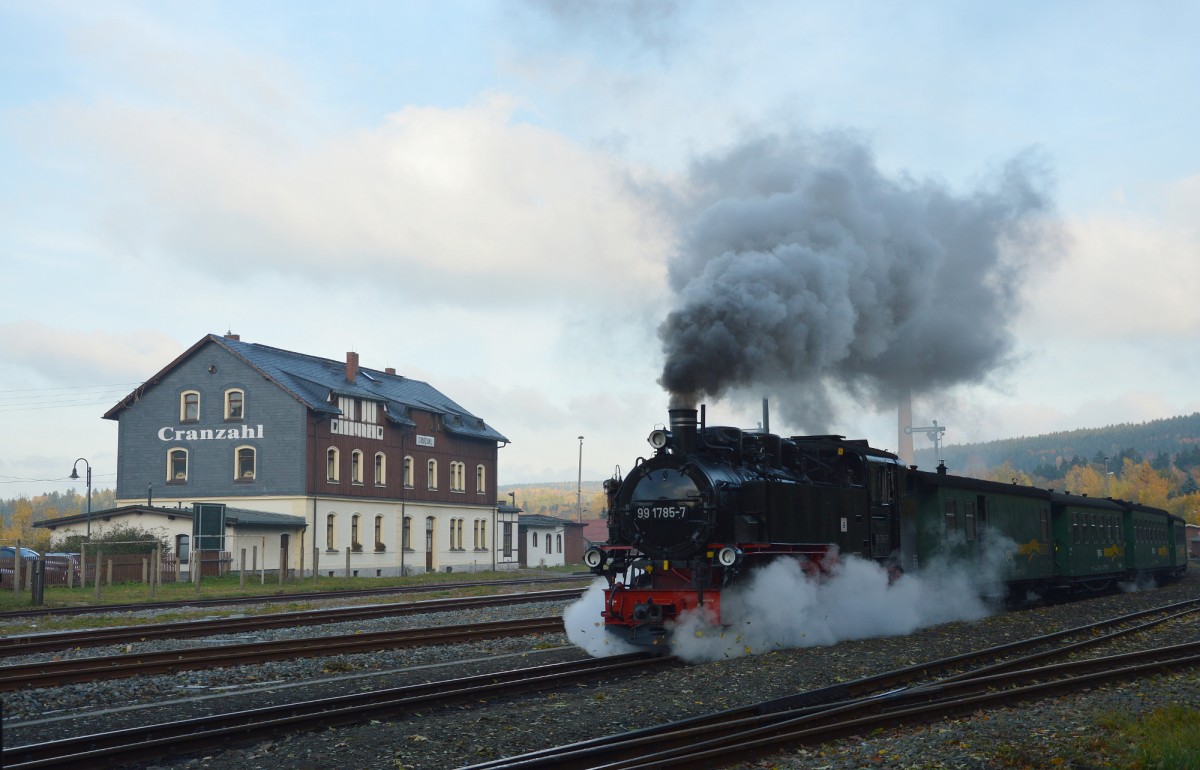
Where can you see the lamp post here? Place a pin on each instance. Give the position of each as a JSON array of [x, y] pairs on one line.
[[75, 476], [579, 485]]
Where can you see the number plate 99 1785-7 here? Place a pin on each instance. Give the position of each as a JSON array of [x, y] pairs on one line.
[[661, 511]]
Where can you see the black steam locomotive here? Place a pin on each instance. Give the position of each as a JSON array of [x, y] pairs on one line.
[[714, 503]]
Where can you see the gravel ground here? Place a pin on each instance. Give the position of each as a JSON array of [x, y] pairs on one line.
[[1052, 733]]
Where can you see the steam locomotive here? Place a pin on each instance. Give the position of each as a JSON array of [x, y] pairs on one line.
[[715, 503]]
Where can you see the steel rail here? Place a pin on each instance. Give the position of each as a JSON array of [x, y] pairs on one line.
[[58, 672], [314, 595], [202, 733], [26, 644], [888, 711], [688, 732]]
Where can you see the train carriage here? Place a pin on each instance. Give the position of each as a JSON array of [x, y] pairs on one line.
[[1089, 543], [959, 518]]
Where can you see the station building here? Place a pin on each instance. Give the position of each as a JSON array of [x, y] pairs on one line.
[[383, 475]]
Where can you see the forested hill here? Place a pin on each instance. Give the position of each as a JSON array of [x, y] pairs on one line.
[[1176, 438]]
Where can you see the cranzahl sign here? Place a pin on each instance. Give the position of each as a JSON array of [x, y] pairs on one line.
[[210, 434]]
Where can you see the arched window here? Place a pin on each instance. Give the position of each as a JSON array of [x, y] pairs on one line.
[[235, 404], [480, 480], [189, 406], [243, 465], [355, 544], [408, 471], [547, 543], [332, 462], [534, 534], [431, 473], [558, 542], [406, 534], [380, 469], [458, 474], [183, 544], [177, 466], [356, 467], [331, 532], [378, 533]]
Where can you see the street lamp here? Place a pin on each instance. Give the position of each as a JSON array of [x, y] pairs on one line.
[[579, 485], [75, 476]]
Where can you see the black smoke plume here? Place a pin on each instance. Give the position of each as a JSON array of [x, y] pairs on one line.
[[806, 269]]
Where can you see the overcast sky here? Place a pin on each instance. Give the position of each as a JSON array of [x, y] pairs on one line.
[[503, 198]]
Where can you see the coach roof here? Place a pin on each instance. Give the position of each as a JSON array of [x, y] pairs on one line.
[[316, 382]]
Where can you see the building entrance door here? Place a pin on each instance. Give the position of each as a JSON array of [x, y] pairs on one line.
[[429, 544]]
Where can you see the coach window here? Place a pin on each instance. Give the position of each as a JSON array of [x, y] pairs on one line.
[[431, 474], [969, 519], [332, 461], [330, 531], [244, 465], [1045, 526], [380, 469], [356, 469], [951, 516], [235, 402], [177, 466], [189, 406]]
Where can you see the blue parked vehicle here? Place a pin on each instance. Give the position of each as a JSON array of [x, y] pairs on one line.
[[7, 555]]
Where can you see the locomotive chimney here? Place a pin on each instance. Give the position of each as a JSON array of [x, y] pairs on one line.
[[683, 428]]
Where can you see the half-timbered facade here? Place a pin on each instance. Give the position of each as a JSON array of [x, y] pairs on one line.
[[387, 471]]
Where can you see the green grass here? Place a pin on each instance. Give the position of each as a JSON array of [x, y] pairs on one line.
[[1162, 739]]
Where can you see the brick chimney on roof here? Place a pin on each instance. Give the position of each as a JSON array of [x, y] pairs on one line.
[[389, 370], [351, 366], [232, 336]]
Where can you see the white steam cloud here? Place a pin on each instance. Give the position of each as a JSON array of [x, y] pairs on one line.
[[585, 625], [781, 607]]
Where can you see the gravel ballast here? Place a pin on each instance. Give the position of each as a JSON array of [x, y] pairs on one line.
[[1051, 733]]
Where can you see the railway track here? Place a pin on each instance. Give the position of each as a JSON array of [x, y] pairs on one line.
[[357, 593], [59, 672], [27, 644], [882, 701], [201, 734]]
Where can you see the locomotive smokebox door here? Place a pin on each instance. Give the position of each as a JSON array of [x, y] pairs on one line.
[[668, 515]]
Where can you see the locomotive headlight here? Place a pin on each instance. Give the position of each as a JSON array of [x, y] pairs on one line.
[[593, 557], [728, 556], [658, 438]]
